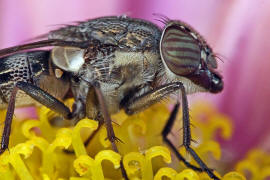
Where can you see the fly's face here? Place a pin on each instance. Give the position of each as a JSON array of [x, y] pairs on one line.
[[186, 55]]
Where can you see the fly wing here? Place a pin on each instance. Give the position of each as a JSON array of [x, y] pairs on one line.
[[45, 43], [126, 33], [123, 31], [104, 29], [81, 35]]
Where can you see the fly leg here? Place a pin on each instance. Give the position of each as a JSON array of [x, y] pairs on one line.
[[108, 124], [8, 121], [167, 130], [187, 133], [37, 94], [139, 103], [186, 141]]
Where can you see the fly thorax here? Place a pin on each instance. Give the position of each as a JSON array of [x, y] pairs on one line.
[[137, 67]]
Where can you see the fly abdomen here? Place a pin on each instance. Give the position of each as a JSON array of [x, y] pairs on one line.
[[20, 67]]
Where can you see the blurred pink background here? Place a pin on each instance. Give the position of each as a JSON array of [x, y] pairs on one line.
[[236, 29]]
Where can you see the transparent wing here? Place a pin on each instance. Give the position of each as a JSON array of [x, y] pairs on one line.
[[45, 43]]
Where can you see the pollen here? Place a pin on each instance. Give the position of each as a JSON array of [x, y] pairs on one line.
[[38, 149]]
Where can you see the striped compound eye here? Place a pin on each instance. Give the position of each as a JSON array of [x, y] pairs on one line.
[[180, 49]]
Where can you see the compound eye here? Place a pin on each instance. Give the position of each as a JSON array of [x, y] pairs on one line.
[[180, 50]]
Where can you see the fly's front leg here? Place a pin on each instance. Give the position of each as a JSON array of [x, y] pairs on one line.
[[187, 134], [167, 129], [37, 94], [139, 103], [134, 105]]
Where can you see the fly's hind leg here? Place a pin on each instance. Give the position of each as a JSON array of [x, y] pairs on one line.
[[8, 121], [37, 94], [139, 103]]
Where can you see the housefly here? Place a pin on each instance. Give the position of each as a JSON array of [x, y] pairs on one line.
[[108, 64]]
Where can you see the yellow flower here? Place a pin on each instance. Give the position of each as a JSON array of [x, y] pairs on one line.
[[38, 152]]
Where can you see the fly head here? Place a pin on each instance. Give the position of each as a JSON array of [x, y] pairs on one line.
[[185, 54]]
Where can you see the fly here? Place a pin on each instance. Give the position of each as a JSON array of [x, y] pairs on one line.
[[108, 64]]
